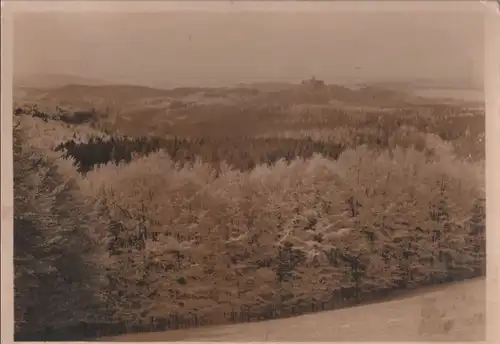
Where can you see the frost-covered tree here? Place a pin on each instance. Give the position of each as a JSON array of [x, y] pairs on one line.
[[59, 254]]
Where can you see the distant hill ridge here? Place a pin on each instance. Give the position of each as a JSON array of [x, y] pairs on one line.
[[52, 80], [75, 89]]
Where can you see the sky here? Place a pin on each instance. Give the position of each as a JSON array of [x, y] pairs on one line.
[[208, 48]]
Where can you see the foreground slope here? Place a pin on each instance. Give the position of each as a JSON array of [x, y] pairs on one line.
[[453, 313]]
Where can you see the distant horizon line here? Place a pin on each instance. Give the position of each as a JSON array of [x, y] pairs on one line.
[[341, 80]]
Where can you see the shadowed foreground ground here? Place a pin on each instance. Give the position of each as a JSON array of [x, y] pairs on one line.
[[452, 313]]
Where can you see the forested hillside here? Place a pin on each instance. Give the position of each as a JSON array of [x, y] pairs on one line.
[[210, 214]]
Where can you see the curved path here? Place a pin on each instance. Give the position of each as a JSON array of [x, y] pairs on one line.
[[453, 312]]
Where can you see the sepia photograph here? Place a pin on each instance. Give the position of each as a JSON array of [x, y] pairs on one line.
[[270, 172]]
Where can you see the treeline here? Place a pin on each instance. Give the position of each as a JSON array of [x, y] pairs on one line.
[[241, 153], [448, 123], [193, 247], [244, 153], [68, 117]]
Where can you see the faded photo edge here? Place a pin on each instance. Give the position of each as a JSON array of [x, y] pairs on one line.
[[492, 101]]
